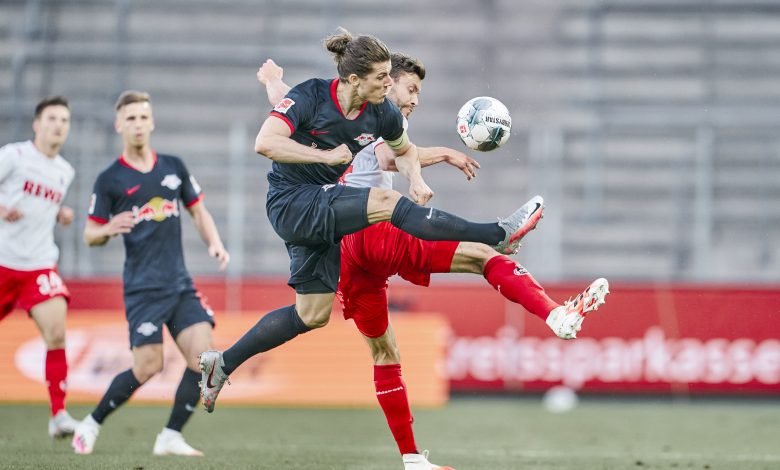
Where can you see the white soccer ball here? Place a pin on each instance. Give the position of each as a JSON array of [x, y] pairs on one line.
[[560, 399], [484, 123]]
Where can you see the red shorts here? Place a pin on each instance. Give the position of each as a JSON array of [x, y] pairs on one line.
[[368, 259], [29, 288]]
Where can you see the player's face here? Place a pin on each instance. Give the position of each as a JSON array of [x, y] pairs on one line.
[[135, 124], [376, 84], [52, 126], [406, 92]]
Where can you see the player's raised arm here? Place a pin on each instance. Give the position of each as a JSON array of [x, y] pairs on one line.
[[270, 75], [432, 155]]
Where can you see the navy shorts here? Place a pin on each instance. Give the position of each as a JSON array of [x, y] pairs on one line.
[[148, 310], [312, 219]]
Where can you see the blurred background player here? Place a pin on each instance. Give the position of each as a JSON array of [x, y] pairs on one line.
[[138, 196], [371, 256], [33, 181], [311, 136]]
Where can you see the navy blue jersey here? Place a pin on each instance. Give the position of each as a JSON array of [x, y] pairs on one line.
[[316, 119], [153, 250]]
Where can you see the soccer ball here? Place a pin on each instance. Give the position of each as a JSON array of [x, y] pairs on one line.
[[484, 123]]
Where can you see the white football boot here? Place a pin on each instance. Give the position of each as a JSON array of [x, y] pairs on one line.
[[212, 378], [517, 225], [170, 442], [420, 462], [566, 320], [61, 425], [85, 435]]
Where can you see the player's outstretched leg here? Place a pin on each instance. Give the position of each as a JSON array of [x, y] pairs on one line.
[[212, 379], [566, 320], [420, 462], [432, 224], [517, 225]]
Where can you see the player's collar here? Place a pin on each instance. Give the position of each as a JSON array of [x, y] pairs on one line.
[[124, 162], [334, 85]]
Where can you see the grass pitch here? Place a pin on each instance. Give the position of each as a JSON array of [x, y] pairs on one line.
[[471, 433]]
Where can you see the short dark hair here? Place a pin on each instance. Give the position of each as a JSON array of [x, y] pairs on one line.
[[355, 54], [132, 96], [403, 63], [50, 101]]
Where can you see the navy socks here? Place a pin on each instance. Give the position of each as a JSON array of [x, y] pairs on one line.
[[274, 329], [428, 223]]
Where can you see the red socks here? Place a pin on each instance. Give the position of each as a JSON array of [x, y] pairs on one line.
[[56, 376], [517, 285], [391, 393]]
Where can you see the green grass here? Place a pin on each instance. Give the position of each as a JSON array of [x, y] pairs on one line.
[[470, 433]]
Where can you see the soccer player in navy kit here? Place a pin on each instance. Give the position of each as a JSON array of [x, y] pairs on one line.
[[141, 195], [311, 137], [372, 255]]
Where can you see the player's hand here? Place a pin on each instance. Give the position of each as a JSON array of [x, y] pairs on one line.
[[463, 162], [65, 216], [269, 71], [10, 214], [420, 192], [219, 252], [120, 223], [340, 155]]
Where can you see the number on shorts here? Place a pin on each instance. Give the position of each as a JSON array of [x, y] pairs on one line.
[[49, 284]]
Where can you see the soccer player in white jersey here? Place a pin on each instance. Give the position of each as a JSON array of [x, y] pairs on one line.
[[371, 256], [33, 181]]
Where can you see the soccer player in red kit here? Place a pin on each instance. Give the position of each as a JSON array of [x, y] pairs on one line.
[[33, 181], [371, 256]]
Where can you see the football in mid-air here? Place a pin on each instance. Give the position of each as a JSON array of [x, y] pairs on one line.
[[484, 123]]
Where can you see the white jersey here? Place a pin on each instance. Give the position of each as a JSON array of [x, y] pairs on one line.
[[35, 185], [366, 172]]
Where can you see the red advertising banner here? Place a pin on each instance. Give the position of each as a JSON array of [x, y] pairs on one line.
[[654, 338]]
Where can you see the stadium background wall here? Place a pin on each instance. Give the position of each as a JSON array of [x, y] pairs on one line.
[[649, 338]]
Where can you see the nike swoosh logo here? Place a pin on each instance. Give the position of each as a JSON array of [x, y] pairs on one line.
[[130, 191], [189, 407], [430, 214], [316, 132], [211, 374]]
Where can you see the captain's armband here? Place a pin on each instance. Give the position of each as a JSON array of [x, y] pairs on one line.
[[398, 143]]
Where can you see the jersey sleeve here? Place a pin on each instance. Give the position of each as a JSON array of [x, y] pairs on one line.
[[392, 122], [101, 201], [191, 192], [297, 108], [7, 162]]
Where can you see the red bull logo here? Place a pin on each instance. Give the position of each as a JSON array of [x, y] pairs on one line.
[[157, 209]]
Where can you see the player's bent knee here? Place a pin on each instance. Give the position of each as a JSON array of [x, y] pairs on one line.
[[54, 337], [147, 367], [381, 203], [315, 317]]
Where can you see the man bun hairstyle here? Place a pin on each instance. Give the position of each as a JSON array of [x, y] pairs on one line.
[[355, 54], [50, 101], [403, 63], [132, 96]]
